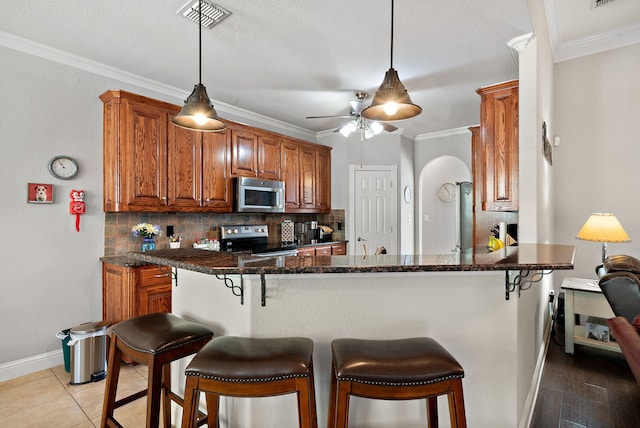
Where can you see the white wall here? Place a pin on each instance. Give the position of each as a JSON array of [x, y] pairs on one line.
[[597, 111]]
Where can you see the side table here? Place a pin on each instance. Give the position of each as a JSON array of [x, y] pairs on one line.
[[583, 296]]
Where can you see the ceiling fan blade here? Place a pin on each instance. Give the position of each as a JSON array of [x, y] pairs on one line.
[[387, 127], [330, 117]]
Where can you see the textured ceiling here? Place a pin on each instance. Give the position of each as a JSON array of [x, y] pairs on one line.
[[289, 59]]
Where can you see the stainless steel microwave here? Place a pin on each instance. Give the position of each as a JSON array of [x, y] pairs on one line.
[[255, 195]]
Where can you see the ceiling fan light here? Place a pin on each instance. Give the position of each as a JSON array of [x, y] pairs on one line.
[[198, 113], [391, 91], [348, 128], [368, 133], [376, 127]]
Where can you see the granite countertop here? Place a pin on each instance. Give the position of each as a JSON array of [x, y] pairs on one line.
[[124, 260], [523, 257]]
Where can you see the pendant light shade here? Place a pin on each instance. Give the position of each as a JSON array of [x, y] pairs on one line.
[[198, 112], [391, 101]]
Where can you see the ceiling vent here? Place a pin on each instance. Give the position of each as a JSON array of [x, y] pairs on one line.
[[212, 14], [598, 3]]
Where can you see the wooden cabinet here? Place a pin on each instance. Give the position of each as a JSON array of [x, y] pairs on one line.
[[498, 149], [290, 174], [152, 165], [307, 177], [334, 249], [254, 153], [323, 180], [129, 291], [306, 172], [268, 157]]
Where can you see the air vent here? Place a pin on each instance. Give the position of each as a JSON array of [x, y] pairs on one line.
[[212, 14], [598, 3]]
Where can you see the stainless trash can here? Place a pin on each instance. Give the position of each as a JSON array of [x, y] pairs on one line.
[[88, 352]]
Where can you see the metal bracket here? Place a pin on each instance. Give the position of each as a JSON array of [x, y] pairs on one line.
[[520, 285], [169, 271], [263, 290], [237, 290]]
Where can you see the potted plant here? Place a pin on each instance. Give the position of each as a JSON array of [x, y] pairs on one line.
[[174, 241]]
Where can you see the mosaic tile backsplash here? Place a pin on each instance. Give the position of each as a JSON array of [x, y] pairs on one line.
[[119, 240]]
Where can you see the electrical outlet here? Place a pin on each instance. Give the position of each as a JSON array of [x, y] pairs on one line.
[[169, 230]]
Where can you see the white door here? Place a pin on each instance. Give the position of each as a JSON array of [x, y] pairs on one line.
[[374, 210]]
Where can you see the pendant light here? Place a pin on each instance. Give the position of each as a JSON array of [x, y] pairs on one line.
[[198, 113], [391, 101]]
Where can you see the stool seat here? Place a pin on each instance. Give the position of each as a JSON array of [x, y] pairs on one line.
[[376, 361], [159, 332], [251, 367], [154, 340], [400, 369]]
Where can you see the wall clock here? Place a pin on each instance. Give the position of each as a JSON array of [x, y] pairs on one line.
[[407, 194], [63, 167], [447, 192]]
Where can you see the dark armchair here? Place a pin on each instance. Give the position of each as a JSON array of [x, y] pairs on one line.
[[620, 284]]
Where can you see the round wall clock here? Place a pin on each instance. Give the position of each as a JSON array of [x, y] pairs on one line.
[[63, 167], [447, 192]]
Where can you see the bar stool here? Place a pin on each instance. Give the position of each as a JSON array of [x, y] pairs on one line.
[[400, 369], [155, 340], [251, 367]]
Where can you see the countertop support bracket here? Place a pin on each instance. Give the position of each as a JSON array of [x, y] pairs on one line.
[[169, 271], [237, 290], [518, 283], [263, 290]]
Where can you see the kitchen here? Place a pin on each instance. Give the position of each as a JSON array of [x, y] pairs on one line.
[[45, 244]]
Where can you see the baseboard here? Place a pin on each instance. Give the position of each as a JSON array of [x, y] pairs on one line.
[[530, 404], [29, 365]]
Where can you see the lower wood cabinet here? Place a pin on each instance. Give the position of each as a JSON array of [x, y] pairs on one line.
[[334, 249], [130, 291]]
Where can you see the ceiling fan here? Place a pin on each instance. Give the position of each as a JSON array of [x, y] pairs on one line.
[[358, 123]]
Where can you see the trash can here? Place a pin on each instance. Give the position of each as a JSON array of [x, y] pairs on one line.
[[63, 335], [87, 344]]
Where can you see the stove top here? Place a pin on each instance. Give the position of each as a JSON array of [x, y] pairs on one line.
[[252, 238]]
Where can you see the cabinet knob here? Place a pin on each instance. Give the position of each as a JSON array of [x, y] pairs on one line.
[[207, 200]]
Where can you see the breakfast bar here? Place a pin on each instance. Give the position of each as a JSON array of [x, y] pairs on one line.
[[458, 299]]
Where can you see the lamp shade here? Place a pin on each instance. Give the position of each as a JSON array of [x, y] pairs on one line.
[[603, 227], [198, 113], [391, 101]]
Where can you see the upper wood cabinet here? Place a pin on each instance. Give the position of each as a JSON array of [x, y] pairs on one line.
[[152, 165], [498, 148]]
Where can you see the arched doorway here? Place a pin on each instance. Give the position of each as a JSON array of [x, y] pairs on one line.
[[437, 218]]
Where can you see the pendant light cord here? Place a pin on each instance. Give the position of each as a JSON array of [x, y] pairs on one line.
[[391, 33], [200, 42]]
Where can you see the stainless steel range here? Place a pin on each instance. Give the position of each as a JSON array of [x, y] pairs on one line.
[[253, 238]]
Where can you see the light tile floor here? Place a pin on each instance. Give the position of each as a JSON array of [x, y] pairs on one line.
[[46, 399]]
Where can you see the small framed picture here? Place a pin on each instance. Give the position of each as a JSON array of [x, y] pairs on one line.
[[40, 193]]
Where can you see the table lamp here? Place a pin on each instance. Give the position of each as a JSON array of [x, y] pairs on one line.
[[603, 227]]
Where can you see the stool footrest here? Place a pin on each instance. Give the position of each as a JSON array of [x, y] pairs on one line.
[[130, 398]]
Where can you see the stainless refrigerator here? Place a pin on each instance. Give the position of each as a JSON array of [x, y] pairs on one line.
[[464, 216]]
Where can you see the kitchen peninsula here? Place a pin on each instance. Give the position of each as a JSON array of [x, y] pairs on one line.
[[457, 299]]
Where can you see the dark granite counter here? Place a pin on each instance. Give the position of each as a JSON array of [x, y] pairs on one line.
[[523, 257], [123, 260]]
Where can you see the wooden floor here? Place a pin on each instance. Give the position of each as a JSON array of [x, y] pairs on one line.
[[592, 388]]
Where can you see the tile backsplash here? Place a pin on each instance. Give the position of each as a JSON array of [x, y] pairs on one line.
[[119, 240]]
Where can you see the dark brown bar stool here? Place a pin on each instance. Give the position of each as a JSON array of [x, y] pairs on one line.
[[155, 340], [400, 369], [251, 367]]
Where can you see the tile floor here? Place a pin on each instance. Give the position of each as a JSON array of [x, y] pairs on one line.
[[46, 399]]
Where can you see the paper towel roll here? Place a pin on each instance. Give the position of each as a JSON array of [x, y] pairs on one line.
[[502, 231]]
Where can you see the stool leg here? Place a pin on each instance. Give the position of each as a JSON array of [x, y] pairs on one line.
[[306, 406], [456, 405], [333, 396], [342, 403], [190, 405], [111, 385], [166, 397], [213, 406], [432, 412], [154, 389]]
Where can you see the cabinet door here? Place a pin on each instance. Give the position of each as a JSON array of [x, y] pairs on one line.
[[307, 177], [323, 180], [290, 167], [499, 131], [118, 292], [217, 192], [184, 169], [268, 157], [153, 290], [145, 157], [243, 153]]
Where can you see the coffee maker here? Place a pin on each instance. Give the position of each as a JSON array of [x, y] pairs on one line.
[[313, 232]]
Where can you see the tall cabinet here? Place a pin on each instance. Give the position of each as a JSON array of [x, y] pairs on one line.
[[499, 146]]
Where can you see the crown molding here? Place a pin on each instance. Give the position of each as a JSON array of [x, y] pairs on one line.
[[75, 61], [445, 133]]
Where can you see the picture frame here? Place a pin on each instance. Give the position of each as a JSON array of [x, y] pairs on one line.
[[40, 193]]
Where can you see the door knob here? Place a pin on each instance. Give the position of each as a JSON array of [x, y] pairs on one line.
[[361, 239]]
